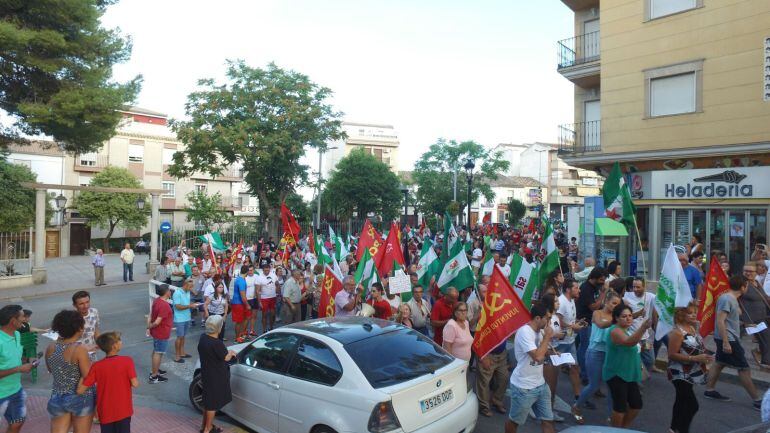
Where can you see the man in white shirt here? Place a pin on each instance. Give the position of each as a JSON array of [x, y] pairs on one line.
[[642, 305], [251, 298], [346, 301], [502, 263], [267, 295], [528, 388], [420, 310], [476, 259], [127, 257], [567, 315]]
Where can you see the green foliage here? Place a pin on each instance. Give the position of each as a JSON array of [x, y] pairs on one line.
[[516, 211], [433, 175], [108, 210], [56, 68], [262, 118], [206, 210], [363, 184], [299, 208], [18, 203]]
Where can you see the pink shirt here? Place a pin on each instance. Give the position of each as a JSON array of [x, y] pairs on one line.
[[460, 338]]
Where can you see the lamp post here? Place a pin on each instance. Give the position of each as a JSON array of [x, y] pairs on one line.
[[469, 166], [140, 203], [321, 152], [405, 191], [405, 247], [61, 203]]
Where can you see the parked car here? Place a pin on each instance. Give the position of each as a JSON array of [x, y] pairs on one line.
[[351, 374]]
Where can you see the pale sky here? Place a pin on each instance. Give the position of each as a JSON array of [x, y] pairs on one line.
[[482, 70]]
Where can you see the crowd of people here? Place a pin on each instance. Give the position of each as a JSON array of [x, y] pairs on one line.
[[604, 319]]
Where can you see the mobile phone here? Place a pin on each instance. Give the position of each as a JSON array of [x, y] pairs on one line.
[[36, 362]]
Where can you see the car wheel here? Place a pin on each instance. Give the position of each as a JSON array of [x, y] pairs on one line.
[[195, 392], [323, 429]]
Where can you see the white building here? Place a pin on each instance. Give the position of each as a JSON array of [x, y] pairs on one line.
[[524, 189]]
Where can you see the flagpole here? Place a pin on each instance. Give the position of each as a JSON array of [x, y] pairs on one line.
[[641, 249]]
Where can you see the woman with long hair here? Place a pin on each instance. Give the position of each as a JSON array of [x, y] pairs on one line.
[[403, 317], [687, 358], [217, 305]]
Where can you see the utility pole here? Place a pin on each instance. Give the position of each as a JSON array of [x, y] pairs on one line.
[[320, 181]]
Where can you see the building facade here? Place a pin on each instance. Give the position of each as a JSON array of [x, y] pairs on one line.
[[378, 140], [524, 189], [678, 92]]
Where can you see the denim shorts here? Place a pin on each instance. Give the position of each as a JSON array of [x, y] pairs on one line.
[[159, 346], [182, 328], [522, 400], [14, 407], [77, 405]]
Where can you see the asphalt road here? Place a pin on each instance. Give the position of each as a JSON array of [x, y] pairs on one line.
[[124, 308]]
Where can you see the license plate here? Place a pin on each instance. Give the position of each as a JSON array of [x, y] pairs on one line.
[[435, 401]]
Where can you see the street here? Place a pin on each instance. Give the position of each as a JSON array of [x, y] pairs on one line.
[[123, 308]]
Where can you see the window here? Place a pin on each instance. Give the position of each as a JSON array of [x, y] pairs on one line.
[[200, 188], [168, 156], [271, 352], [315, 362], [673, 90], [662, 8], [84, 180], [170, 189], [135, 153], [87, 159]]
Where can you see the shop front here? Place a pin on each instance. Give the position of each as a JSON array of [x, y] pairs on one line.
[[725, 208]]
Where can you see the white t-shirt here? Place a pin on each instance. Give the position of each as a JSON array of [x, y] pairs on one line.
[[528, 374], [208, 289], [506, 270], [395, 302], [267, 284], [251, 281], [568, 314], [636, 303], [476, 257]]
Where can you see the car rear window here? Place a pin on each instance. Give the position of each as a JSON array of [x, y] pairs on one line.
[[398, 356]]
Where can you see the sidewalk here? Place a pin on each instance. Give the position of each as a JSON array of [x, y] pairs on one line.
[[68, 274]]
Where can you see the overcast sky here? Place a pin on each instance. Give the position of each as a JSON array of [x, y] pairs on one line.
[[482, 70]]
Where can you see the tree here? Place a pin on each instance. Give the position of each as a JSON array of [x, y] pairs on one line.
[[262, 119], [18, 202], [299, 208], [56, 68], [516, 211], [433, 175], [108, 210], [205, 210], [361, 183]]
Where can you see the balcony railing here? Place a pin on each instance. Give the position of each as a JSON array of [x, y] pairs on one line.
[[91, 162], [578, 50], [580, 137]]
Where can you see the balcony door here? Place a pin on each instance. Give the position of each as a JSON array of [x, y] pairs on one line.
[[591, 129], [590, 39]]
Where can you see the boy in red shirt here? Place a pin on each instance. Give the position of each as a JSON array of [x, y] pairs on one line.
[[114, 376], [382, 308]]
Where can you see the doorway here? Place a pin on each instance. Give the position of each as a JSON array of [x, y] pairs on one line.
[[80, 239]]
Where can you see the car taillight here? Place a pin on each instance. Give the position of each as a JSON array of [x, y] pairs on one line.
[[383, 418]]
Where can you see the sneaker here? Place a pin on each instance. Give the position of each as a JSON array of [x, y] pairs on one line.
[[157, 379], [714, 395], [757, 404], [162, 372]]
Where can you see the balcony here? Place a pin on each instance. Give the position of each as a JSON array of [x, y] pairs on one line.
[[91, 162], [579, 5], [580, 137], [228, 174], [579, 59], [232, 203]]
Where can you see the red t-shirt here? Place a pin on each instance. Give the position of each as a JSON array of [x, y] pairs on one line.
[[442, 310], [112, 376], [382, 308], [162, 309]]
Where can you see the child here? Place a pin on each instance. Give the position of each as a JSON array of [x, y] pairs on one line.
[[114, 376], [25, 327]]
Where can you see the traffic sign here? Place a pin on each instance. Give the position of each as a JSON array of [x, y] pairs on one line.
[[165, 227]]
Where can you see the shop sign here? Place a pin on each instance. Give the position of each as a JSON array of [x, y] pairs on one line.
[[717, 183]]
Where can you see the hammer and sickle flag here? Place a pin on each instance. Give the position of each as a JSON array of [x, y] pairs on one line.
[[502, 314], [716, 285], [330, 286], [370, 240]]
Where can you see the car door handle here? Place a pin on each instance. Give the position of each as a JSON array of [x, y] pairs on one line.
[[273, 385]]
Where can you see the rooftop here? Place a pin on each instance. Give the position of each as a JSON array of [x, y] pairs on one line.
[[144, 112], [514, 182]]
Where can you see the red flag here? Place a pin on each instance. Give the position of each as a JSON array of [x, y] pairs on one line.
[[422, 229], [371, 240], [502, 314], [330, 287], [214, 263], [487, 218], [234, 257], [716, 285], [290, 225], [392, 252], [532, 226]]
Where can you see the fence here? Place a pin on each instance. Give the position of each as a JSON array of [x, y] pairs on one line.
[[16, 253]]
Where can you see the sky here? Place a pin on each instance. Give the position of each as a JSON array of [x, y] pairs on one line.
[[482, 70]]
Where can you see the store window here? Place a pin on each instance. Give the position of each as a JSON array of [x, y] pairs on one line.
[[736, 225], [758, 227], [716, 232]]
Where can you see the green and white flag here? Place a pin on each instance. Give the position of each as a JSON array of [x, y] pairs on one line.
[[488, 265], [523, 279], [550, 261], [457, 272], [429, 264], [214, 240], [617, 198], [366, 273], [340, 249], [673, 292], [451, 241]]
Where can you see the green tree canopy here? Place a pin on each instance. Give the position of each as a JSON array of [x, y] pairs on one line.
[[262, 119], [55, 72], [18, 203], [433, 175], [361, 183], [108, 210], [206, 210], [516, 211], [299, 208]]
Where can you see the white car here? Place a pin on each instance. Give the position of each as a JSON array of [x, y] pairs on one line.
[[351, 374]]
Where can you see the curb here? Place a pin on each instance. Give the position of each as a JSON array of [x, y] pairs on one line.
[[91, 288]]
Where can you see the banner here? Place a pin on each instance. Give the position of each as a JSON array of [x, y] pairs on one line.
[[673, 292], [392, 252], [330, 287], [290, 225], [370, 240], [716, 285]]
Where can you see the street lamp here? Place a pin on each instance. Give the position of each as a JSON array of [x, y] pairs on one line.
[[140, 203], [61, 202], [321, 152], [469, 166], [405, 191]]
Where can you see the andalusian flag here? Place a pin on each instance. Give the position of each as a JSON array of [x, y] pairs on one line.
[[214, 240], [488, 265], [366, 273], [457, 272], [617, 198], [523, 278], [673, 292], [550, 253], [429, 264], [451, 241], [340, 249]]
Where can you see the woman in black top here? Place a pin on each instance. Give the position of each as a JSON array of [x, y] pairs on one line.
[[215, 372]]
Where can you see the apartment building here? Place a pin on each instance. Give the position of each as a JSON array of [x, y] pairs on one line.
[[377, 139], [524, 189], [145, 145], [677, 91]]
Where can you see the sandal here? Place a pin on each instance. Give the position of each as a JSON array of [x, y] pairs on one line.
[[187, 355], [486, 412], [578, 416]]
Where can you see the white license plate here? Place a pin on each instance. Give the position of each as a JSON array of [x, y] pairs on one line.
[[435, 401]]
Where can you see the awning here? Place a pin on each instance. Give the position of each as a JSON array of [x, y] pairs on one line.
[[609, 227]]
